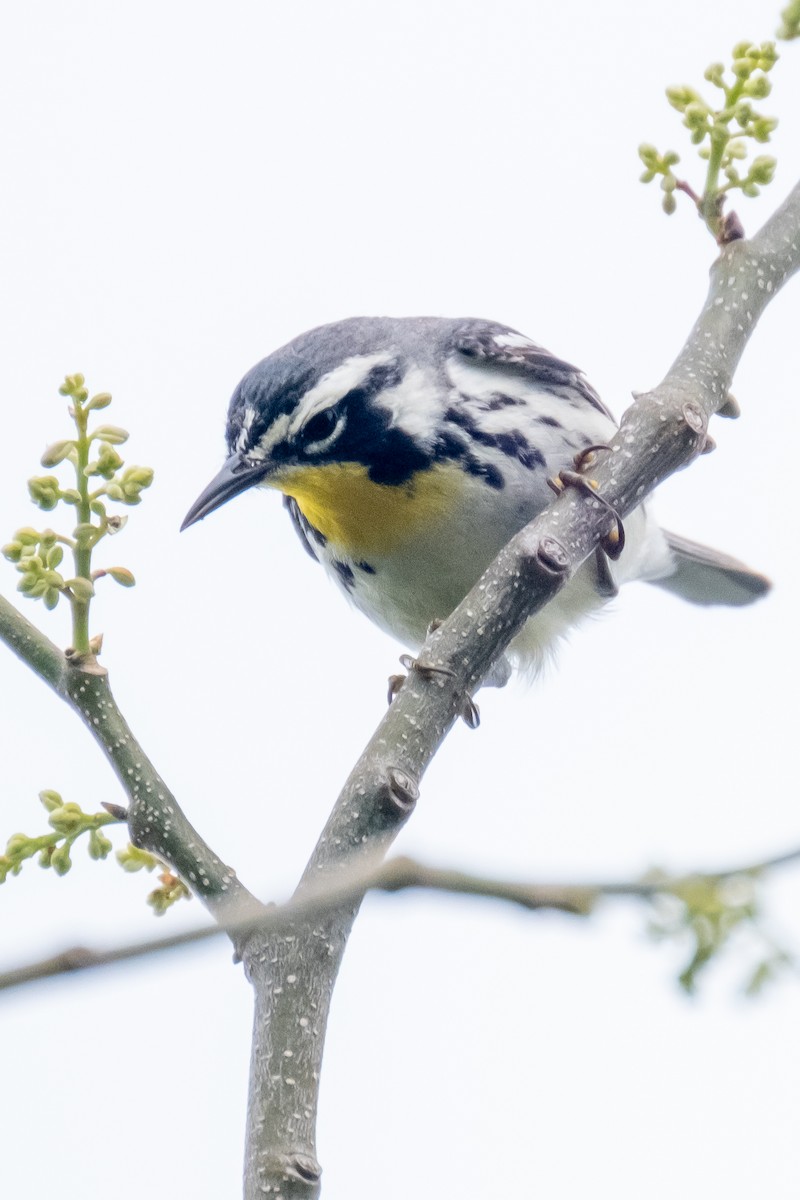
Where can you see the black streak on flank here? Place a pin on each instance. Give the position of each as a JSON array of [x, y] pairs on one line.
[[512, 443], [366, 567], [345, 573], [485, 470]]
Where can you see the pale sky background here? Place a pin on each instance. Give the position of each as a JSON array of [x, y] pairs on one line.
[[187, 186]]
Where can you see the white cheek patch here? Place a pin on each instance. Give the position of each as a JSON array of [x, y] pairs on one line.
[[415, 405], [337, 383]]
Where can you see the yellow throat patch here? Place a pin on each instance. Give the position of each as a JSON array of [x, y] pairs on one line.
[[360, 517]]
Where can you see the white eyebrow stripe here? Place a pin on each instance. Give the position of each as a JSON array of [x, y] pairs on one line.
[[337, 383]]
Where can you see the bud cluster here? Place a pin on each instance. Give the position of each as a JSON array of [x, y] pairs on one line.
[[720, 130], [171, 888], [68, 822], [94, 460]]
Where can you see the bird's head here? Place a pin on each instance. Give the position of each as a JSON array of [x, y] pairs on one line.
[[344, 401]]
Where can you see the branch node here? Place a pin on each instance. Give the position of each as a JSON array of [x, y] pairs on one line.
[[402, 790], [694, 417], [730, 408], [304, 1167], [552, 556]]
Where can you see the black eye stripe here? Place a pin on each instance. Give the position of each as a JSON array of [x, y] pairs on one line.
[[319, 427]]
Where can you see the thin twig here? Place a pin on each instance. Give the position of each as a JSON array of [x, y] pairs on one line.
[[396, 875]]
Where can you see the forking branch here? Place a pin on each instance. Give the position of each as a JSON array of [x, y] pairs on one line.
[[293, 969]]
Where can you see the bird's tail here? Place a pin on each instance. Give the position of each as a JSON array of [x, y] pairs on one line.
[[705, 576]]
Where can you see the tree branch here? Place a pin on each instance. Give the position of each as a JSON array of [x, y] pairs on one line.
[[395, 875], [293, 972], [155, 820]]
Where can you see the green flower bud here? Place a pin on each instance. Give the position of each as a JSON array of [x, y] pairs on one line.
[[714, 74], [51, 597], [669, 203], [17, 844], [131, 858], [71, 384], [60, 860], [112, 434], [28, 536], [696, 115], [57, 452], [99, 845], [758, 86], [762, 169], [108, 461], [743, 67], [115, 492], [101, 400], [649, 155], [743, 113], [44, 491], [54, 556], [45, 855], [749, 188], [50, 799], [66, 819], [71, 496], [12, 551], [81, 589], [762, 127], [680, 97], [122, 576]]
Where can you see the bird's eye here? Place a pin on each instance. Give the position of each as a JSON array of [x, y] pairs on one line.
[[319, 427]]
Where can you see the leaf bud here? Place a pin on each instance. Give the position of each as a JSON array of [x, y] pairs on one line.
[[112, 434], [122, 576], [101, 400], [57, 452], [81, 589]]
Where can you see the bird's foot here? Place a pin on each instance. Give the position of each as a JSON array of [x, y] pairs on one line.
[[613, 542], [469, 711]]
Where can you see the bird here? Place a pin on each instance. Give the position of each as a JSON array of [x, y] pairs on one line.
[[410, 450]]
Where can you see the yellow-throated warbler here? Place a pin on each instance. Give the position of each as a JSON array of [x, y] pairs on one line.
[[409, 451]]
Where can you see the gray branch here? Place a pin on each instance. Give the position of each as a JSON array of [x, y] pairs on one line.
[[293, 969], [396, 875], [293, 972], [155, 820]]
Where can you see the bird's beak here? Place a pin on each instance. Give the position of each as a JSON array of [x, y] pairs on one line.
[[236, 476]]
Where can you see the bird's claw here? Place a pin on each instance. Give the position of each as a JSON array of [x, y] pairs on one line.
[[613, 542], [469, 711]]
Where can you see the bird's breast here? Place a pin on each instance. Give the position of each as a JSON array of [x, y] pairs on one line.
[[360, 517]]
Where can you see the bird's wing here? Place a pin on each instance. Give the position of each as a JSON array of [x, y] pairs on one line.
[[501, 347]]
